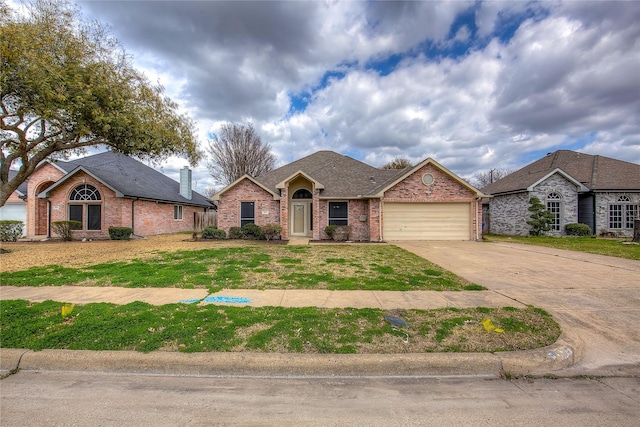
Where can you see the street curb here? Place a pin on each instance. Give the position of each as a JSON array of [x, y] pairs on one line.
[[517, 363]]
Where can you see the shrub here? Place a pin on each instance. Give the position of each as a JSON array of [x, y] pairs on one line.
[[272, 231], [575, 229], [213, 233], [330, 229], [342, 233], [541, 218], [10, 230], [120, 233], [64, 229], [252, 232], [236, 233]]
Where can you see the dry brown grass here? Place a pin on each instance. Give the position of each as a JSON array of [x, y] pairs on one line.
[[23, 255]]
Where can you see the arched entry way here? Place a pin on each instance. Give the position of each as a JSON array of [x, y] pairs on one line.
[[41, 210]]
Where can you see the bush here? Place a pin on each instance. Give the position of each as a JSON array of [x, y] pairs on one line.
[[541, 218], [64, 229], [330, 229], [120, 233], [10, 230], [342, 233], [252, 232], [575, 229], [272, 231], [213, 233], [236, 233]]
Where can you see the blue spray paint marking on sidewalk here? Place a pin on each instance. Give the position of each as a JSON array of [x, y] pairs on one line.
[[230, 300], [218, 298]]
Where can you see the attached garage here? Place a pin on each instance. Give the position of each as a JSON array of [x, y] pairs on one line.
[[15, 211], [427, 221]]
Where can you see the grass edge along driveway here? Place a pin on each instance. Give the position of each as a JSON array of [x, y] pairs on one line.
[[256, 265]]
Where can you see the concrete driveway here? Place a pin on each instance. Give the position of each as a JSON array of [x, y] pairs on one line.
[[596, 299]]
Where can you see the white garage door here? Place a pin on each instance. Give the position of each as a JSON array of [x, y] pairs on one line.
[[427, 221], [15, 211]]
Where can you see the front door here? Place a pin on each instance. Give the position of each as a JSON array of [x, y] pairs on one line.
[[299, 219]]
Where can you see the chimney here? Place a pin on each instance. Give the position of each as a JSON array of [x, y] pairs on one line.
[[185, 183]]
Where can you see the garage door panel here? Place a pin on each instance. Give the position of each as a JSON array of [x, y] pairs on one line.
[[427, 221]]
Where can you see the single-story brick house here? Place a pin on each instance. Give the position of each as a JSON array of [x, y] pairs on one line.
[[599, 191], [106, 190], [425, 202]]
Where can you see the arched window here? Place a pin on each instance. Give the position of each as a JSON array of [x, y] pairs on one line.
[[85, 192], [85, 206], [302, 194], [623, 213], [554, 201]]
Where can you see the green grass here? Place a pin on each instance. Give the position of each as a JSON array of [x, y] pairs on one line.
[[201, 328], [610, 247], [259, 266]]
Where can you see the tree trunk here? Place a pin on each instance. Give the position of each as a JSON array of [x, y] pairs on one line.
[[636, 230]]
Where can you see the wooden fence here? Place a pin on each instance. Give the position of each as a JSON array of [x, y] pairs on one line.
[[205, 219]]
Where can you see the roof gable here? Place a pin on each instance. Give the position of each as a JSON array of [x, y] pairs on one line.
[[130, 178], [597, 173], [340, 175], [275, 195], [429, 161]]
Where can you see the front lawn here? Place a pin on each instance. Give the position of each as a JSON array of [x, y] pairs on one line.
[[201, 328], [610, 247], [258, 266]]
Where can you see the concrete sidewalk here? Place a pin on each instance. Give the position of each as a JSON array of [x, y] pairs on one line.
[[532, 362], [386, 300]]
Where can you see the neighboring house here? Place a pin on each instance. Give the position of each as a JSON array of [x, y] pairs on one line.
[[106, 190], [16, 206], [426, 202], [599, 191]]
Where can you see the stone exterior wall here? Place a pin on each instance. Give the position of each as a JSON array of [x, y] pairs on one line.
[[603, 200], [556, 183], [267, 210], [508, 214]]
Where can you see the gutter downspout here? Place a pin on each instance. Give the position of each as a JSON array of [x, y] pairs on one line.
[[48, 219]]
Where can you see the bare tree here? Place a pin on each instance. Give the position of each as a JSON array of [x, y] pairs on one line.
[[398, 163], [482, 179], [236, 151], [209, 191]]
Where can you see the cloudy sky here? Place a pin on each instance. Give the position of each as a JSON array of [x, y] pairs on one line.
[[475, 85]]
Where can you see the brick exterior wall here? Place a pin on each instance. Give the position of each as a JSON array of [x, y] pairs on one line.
[[556, 183], [150, 217], [267, 210], [444, 189], [365, 215]]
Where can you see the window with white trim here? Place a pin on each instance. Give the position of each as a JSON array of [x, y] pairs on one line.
[[85, 206], [247, 213], [338, 213], [623, 213], [554, 205], [177, 212]]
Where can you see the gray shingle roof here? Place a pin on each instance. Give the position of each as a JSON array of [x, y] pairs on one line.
[[22, 188], [598, 173], [133, 178], [342, 176]]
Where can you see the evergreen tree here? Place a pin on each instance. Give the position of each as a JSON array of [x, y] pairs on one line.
[[541, 218]]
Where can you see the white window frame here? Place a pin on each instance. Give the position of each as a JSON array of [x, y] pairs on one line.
[[554, 205], [178, 212], [330, 218]]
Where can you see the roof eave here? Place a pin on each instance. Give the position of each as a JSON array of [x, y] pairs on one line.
[[45, 193], [216, 197], [281, 185]]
